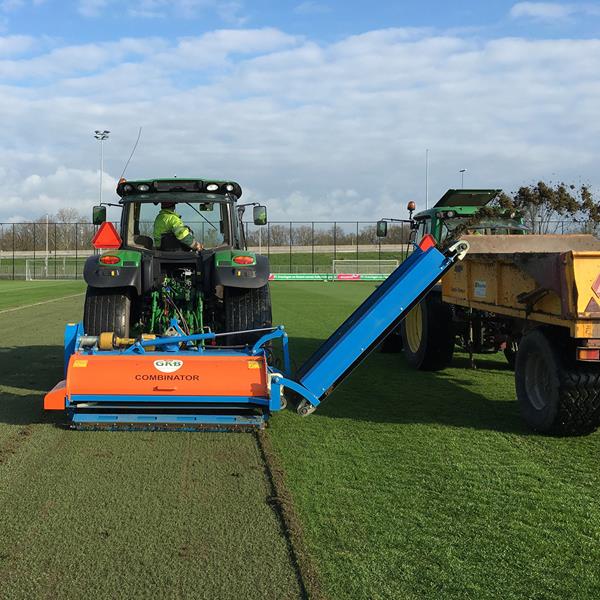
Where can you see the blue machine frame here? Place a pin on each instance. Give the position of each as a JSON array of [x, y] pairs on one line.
[[351, 343]]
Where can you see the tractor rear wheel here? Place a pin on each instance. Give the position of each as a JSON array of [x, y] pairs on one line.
[[555, 397], [107, 310], [428, 334], [246, 309]]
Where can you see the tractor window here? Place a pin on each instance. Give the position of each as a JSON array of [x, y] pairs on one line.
[[205, 220], [423, 228]]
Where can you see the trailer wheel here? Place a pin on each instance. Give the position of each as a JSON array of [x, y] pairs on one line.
[[246, 309], [428, 334], [555, 397], [107, 310]]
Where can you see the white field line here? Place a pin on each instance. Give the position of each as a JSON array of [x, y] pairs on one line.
[[7, 310], [37, 283]]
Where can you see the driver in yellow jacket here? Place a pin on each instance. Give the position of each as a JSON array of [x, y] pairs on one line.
[[168, 221]]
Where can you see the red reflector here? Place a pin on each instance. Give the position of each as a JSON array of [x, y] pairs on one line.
[[107, 237], [110, 260], [243, 260], [588, 353], [427, 242]]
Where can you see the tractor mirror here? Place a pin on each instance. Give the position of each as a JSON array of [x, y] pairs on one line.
[[98, 215], [381, 228], [259, 215]]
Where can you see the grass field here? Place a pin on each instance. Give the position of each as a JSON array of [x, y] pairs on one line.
[[407, 485], [22, 293]]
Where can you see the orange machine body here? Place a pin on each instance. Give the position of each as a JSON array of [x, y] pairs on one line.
[[160, 376]]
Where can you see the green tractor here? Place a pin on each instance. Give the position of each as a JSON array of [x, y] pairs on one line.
[[136, 287], [455, 213]]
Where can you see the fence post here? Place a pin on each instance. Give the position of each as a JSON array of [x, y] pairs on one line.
[[33, 256], [334, 240], [55, 250], [13, 252], [312, 241], [357, 244], [76, 254]]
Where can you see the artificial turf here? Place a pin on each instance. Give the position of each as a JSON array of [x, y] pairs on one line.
[[428, 485]]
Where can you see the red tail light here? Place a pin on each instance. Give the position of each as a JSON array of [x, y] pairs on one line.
[[243, 260], [110, 260], [588, 354]]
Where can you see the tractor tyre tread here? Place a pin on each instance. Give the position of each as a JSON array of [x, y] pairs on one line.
[[437, 346], [246, 308], [107, 310]]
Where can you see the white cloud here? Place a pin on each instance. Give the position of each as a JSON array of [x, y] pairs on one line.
[[12, 45], [320, 131], [552, 11]]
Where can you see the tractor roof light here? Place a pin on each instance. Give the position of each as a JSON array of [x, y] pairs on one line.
[[243, 260]]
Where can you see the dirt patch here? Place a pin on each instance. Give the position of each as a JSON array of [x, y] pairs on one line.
[[14, 442], [281, 502]]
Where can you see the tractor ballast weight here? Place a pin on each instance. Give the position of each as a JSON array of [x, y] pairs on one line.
[[185, 381]]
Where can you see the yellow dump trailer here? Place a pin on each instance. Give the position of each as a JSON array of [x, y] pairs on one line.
[[537, 298]]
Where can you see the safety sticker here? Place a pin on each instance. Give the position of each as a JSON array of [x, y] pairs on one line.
[[80, 363], [480, 289], [252, 364]]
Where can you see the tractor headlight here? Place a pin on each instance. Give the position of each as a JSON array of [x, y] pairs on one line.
[[212, 187], [143, 187]]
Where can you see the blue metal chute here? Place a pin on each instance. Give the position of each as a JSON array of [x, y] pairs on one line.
[[370, 323]]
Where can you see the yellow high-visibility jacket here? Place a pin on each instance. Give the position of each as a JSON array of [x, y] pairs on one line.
[[168, 221]]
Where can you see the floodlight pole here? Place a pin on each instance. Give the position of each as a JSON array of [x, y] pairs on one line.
[[101, 136], [47, 253], [426, 178], [462, 178]]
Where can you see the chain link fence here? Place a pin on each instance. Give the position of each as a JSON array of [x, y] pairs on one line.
[[58, 250]]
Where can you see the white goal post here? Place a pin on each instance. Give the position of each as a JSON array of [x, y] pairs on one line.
[[347, 266], [46, 268]]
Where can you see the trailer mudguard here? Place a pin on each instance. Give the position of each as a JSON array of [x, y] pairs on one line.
[[98, 275], [241, 276]]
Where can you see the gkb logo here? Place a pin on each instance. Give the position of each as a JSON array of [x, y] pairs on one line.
[[168, 366]]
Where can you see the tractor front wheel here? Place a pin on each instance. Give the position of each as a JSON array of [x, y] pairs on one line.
[[106, 310], [428, 334], [246, 309]]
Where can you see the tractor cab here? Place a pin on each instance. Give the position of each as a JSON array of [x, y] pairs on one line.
[[180, 251], [455, 211]]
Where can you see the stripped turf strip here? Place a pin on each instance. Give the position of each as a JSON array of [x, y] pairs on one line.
[[125, 514]]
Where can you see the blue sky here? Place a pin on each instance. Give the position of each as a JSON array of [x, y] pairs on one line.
[[98, 20], [322, 109]]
